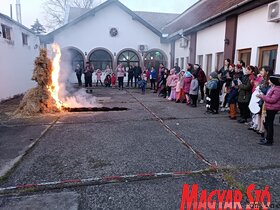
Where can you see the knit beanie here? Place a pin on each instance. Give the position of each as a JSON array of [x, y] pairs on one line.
[[214, 74], [275, 79], [235, 82]]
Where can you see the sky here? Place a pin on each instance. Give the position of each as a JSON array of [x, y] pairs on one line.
[[32, 9]]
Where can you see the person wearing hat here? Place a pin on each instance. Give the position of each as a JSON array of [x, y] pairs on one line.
[[272, 104], [213, 93]]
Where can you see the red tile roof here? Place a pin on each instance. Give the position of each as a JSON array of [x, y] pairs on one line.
[[199, 12]]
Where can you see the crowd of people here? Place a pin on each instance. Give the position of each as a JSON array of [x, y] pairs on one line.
[[255, 92]]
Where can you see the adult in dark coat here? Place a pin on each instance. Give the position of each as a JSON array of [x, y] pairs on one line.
[[78, 71], [177, 68], [137, 71], [130, 76], [223, 72], [201, 77], [245, 93], [88, 75]]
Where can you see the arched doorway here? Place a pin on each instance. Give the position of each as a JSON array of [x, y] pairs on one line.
[[70, 57], [155, 58], [73, 56], [100, 59], [127, 58]]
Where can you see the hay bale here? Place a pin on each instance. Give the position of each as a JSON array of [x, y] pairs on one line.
[[38, 100]]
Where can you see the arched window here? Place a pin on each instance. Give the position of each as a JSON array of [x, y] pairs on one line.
[[73, 57], [127, 58], [154, 58], [100, 59]]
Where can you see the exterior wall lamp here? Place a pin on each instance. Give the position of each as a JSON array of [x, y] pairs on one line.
[[85, 53], [226, 41]]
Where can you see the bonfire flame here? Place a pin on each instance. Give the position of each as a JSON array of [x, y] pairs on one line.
[[54, 88]]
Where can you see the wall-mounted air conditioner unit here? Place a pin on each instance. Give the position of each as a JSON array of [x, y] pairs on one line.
[[142, 47], [273, 12]]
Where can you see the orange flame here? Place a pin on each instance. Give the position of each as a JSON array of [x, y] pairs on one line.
[[54, 88]]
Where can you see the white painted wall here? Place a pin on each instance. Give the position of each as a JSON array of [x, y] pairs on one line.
[[253, 31], [93, 32], [16, 61], [181, 52], [210, 41]]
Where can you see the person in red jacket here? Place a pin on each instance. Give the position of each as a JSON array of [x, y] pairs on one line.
[[272, 104], [113, 80], [202, 79]]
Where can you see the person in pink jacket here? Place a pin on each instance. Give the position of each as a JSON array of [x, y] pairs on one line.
[[98, 77], [171, 83], [272, 104], [187, 86]]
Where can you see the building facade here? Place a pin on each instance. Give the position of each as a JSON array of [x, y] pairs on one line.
[[235, 29], [207, 33], [112, 34], [18, 48]]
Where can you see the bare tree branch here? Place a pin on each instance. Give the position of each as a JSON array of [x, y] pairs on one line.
[[55, 10]]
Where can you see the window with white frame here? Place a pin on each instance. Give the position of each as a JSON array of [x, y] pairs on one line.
[[200, 60], [208, 64], [182, 62], [177, 61], [24, 39], [6, 32], [219, 61]]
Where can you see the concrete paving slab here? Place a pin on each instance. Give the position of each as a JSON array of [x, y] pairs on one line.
[[162, 194], [73, 151], [46, 201], [14, 142], [226, 141]]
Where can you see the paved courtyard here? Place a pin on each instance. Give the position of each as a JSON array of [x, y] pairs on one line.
[[138, 158]]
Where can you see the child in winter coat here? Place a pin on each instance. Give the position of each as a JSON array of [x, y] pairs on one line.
[[194, 90], [168, 82], [232, 99], [213, 92], [180, 96], [143, 82], [113, 80], [272, 104], [98, 77], [173, 84], [187, 85], [107, 80]]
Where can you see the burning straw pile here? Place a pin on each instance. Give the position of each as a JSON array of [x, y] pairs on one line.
[[39, 100]]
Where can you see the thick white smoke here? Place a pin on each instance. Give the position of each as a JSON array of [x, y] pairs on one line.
[[70, 95]]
